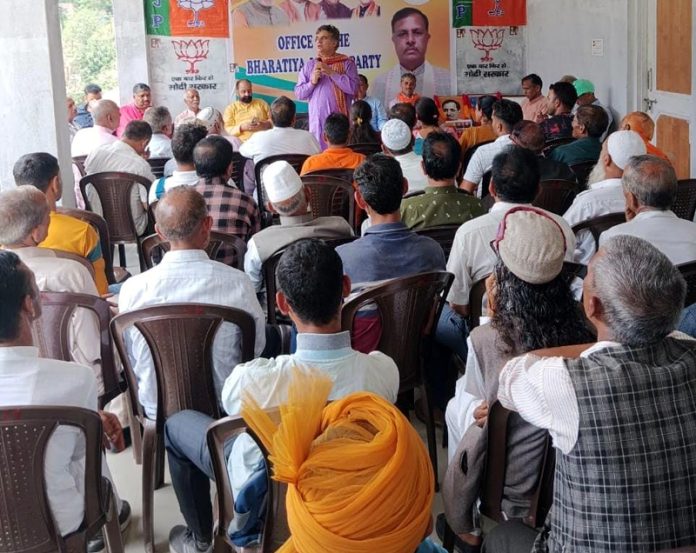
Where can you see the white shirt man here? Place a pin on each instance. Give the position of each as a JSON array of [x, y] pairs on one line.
[[190, 276], [119, 156], [482, 160], [279, 140], [90, 138], [160, 146], [178, 178], [413, 171]]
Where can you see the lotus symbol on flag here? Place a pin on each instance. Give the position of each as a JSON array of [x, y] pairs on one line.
[[195, 6], [487, 40], [191, 51]]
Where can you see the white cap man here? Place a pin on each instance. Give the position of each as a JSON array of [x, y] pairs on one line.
[[397, 141]]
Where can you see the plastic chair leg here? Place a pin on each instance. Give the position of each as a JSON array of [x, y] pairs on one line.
[[430, 433], [148, 490], [112, 530], [159, 462]]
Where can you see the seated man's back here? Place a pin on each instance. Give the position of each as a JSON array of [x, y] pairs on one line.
[[337, 155]]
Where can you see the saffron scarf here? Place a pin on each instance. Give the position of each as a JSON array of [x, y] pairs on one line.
[[359, 477], [337, 62], [401, 98]]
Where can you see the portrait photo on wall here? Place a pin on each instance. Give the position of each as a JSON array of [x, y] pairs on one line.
[[260, 13]]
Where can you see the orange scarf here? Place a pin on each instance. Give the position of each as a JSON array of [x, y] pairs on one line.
[[337, 63], [359, 476], [401, 98]]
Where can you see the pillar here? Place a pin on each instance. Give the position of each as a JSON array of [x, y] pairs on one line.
[[131, 46]]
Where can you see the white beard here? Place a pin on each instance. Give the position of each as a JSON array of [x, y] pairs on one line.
[[597, 174]]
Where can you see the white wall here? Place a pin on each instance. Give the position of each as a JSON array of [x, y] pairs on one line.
[[559, 42]]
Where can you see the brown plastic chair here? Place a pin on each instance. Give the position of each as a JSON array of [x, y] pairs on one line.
[[157, 165], [79, 162], [275, 531], [180, 337], [685, 202], [556, 196], [582, 171], [296, 160], [26, 521], [598, 225], [330, 196], [238, 163], [409, 308], [154, 248], [343, 174], [551, 145], [366, 148], [76, 258], [688, 271], [51, 335], [114, 191], [114, 275], [443, 235], [478, 290]]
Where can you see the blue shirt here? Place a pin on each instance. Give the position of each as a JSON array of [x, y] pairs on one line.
[[83, 118], [379, 115], [390, 250]]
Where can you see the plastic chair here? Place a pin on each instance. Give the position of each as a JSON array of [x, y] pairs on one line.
[[51, 335], [114, 275], [582, 171], [556, 196], [688, 271], [238, 163], [157, 165], [180, 337], [296, 160], [478, 290], [154, 248], [330, 196], [76, 258], [551, 145], [598, 225], [685, 202], [114, 191], [343, 174], [366, 148], [409, 308], [79, 162], [26, 521], [275, 530], [443, 235]]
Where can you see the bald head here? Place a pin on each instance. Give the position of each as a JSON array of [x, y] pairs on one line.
[[180, 215], [105, 112], [639, 122], [23, 216]]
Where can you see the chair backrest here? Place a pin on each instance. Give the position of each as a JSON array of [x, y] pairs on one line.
[[77, 259], [443, 235], [413, 194], [556, 196], [330, 196], [685, 202], [157, 165], [466, 158], [493, 485], [154, 248], [582, 171], [551, 145], [51, 334], [485, 184], [238, 163], [114, 191], [296, 160], [275, 530], [343, 174], [269, 271], [688, 271], [79, 162], [102, 228], [26, 522], [598, 225], [366, 148], [180, 338], [408, 307], [478, 290]]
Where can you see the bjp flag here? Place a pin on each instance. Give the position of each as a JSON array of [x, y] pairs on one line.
[[207, 18], [499, 13]]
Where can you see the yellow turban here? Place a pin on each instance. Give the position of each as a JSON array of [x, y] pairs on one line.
[[359, 477]]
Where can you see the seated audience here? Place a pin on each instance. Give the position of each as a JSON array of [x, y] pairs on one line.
[[650, 188], [428, 115], [106, 120], [282, 138], [212, 119], [620, 413], [589, 123], [397, 141], [374, 450], [408, 94], [506, 114], [379, 114], [185, 138], [72, 128], [64, 232], [186, 274], [442, 203], [586, 97], [605, 196], [135, 111], [290, 199], [529, 135], [126, 156], [192, 99], [534, 105], [404, 112], [473, 136], [246, 115], [531, 307], [337, 154], [83, 118], [232, 211], [361, 132], [643, 124], [27, 379], [311, 285], [559, 108], [388, 249], [160, 121]]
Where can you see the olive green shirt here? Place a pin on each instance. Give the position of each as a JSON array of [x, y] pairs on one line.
[[440, 206]]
